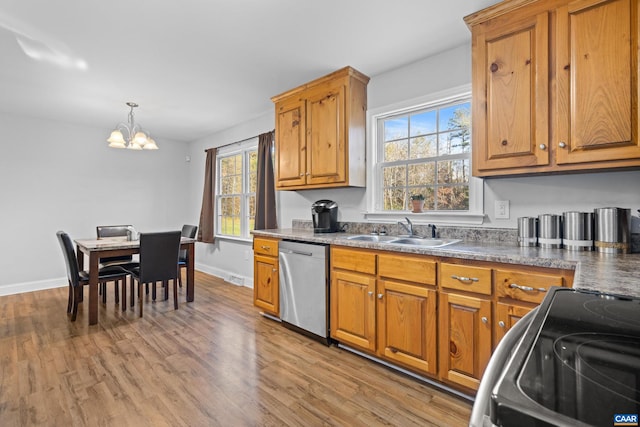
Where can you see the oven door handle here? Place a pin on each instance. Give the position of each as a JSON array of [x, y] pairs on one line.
[[494, 369]]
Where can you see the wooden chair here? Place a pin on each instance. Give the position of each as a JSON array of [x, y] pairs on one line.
[[77, 279], [158, 263], [187, 231]]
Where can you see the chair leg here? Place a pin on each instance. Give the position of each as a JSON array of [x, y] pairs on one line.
[[70, 299], [153, 290], [103, 288], [175, 294], [74, 311], [141, 298], [165, 285], [133, 293], [117, 293], [180, 277], [124, 294]]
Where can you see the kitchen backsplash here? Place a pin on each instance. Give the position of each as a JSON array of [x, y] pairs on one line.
[[506, 236]]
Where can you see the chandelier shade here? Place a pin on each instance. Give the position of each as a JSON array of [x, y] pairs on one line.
[[131, 135]]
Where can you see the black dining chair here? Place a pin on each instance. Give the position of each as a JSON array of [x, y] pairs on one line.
[[77, 279], [124, 261], [158, 263], [190, 232]]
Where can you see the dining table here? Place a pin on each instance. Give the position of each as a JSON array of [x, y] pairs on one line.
[[95, 249]]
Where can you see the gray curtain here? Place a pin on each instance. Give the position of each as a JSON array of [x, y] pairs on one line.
[[265, 191], [206, 231]]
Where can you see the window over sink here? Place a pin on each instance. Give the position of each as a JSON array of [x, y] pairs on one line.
[[422, 148]]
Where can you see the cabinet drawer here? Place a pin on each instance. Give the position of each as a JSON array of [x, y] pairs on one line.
[[466, 278], [525, 285], [408, 268], [353, 260], [262, 246]]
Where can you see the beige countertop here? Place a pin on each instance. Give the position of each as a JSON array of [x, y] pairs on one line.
[[608, 273]]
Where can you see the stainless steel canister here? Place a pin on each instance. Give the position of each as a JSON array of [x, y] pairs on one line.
[[527, 231], [613, 230], [549, 231], [577, 231]]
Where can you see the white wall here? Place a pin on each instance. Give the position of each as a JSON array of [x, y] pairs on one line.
[[59, 176]]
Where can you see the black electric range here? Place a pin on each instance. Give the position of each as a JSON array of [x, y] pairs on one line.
[[578, 363]]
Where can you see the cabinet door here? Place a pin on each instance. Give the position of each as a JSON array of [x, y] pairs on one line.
[[465, 341], [407, 325], [290, 143], [510, 90], [506, 316], [326, 153], [597, 81], [353, 317], [266, 292]]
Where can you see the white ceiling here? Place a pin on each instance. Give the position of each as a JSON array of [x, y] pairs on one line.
[[199, 66]]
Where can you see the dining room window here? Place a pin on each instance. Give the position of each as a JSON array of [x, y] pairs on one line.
[[236, 195]]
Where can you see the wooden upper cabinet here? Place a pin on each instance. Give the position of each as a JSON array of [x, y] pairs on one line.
[[510, 108], [597, 77], [555, 86], [291, 137], [320, 132]]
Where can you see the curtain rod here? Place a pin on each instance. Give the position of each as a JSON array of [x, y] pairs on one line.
[[238, 142]]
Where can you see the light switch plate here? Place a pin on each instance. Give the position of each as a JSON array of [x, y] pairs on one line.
[[502, 209]]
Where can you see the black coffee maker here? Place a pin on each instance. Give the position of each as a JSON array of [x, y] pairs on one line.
[[325, 216]]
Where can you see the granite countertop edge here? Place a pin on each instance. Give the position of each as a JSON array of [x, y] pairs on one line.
[[607, 273]]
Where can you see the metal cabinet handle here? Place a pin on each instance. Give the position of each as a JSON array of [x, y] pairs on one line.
[[265, 248], [370, 293], [465, 279], [562, 144], [484, 320], [543, 147], [275, 269], [501, 324], [380, 296], [301, 174], [526, 288]]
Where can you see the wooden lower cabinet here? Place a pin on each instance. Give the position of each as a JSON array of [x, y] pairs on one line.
[[507, 314], [376, 308], [266, 288], [438, 317], [407, 324], [465, 338], [353, 312]]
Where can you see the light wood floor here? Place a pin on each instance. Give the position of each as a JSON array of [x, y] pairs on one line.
[[213, 362]]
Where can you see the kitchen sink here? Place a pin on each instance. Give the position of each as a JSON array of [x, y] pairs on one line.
[[395, 240], [371, 238], [432, 243]]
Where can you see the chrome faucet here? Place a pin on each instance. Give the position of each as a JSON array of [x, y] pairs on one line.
[[408, 226]]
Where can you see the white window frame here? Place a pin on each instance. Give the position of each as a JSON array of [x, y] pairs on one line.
[[474, 216], [243, 148]]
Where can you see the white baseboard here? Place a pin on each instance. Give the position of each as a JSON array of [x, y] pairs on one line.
[[233, 278], [39, 285]]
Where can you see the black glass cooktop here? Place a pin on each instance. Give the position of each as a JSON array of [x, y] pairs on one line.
[[578, 364]]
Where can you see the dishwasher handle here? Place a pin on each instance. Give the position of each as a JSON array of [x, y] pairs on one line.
[[289, 251]]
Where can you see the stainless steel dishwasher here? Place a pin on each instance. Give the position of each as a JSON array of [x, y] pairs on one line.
[[304, 288]]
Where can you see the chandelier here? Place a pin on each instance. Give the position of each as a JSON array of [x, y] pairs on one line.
[[130, 135]]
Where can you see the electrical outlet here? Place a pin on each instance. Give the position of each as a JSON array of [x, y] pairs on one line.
[[502, 209]]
